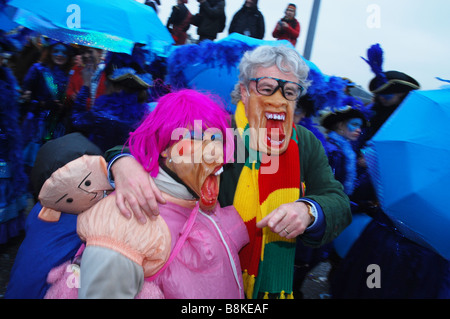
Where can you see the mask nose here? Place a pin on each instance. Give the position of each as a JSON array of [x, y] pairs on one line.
[[213, 153]]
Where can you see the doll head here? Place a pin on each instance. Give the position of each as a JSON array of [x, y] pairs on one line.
[[69, 176]]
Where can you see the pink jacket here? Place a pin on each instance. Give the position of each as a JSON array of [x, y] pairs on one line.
[[206, 267]]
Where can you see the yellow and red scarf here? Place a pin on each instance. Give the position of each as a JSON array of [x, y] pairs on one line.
[[268, 260]]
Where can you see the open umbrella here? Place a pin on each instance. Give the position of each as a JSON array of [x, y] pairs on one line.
[[409, 161], [113, 25], [6, 12]]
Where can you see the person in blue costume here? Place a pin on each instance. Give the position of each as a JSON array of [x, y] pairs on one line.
[[47, 244], [44, 88], [344, 126], [13, 180], [123, 106], [405, 269]]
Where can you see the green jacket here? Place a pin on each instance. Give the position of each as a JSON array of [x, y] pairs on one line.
[[321, 186]]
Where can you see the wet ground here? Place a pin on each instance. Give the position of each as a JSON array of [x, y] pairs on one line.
[[316, 284]]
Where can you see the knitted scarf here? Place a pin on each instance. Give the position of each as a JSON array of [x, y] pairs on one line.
[[268, 260]]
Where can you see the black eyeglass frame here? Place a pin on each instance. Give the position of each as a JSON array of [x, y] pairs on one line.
[[281, 84]]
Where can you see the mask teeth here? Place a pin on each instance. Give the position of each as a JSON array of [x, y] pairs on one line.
[[275, 142], [276, 116], [219, 171]]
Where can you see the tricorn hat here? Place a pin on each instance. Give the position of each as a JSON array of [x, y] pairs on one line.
[[397, 82], [128, 70], [351, 109], [128, 77]]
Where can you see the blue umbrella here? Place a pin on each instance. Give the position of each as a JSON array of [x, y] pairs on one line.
[[113, 25], [6, 14], [409, 160]]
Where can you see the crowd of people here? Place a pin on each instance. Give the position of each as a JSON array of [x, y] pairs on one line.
[[211, 20], [180, 231]]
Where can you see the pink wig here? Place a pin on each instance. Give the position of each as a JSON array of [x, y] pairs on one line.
[[174, 111]]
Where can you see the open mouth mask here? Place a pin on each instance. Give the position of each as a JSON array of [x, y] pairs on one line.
[[197, 164]]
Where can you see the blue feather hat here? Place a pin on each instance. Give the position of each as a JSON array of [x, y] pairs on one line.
[[389, 82], [324, 92], [351, 108]]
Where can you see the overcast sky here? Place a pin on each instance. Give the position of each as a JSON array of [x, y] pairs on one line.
[[414, 34]]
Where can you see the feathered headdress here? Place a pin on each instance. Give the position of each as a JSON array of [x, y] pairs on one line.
[[375, 60], [10, 130], [323, 92], [351, 107], [209, 53]]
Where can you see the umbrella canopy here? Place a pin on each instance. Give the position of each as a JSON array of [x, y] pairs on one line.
[[409, 160], [113, 25], [6, 12]]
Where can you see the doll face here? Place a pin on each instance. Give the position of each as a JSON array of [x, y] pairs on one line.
[[76, 186], [197, 159]]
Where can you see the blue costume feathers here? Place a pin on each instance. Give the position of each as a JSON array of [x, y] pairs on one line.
[[13, 180], [212, 54], [375, 60]]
